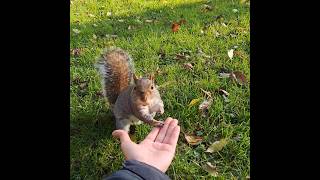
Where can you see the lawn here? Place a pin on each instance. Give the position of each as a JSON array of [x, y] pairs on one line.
[[144, 29]]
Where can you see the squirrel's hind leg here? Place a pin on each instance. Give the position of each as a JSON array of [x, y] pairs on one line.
[[123, 124]]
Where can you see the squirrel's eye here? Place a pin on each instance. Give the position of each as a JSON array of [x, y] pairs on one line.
[[151, 87]]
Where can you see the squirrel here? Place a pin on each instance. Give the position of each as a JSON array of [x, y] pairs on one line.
[[132, 99]]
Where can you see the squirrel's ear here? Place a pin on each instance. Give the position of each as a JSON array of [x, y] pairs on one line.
[[151, 77]]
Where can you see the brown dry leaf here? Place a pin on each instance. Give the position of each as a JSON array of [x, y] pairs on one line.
[[204, 106], [211, 169], [99, 94], [193, 140], [182, 21], [188, 66], [217, 146], [239, 77], [194, 101], [175, 27], [75, 52]]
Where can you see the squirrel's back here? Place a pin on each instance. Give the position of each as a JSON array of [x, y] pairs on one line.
[[116, 67]]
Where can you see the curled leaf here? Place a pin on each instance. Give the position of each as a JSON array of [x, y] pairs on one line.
[[207, 93], [193, 140], [188, 66], [223, 92], [230, 53], [211, 169], [217, 146], [75, 52], [239, 77], [206, 7], [204, 106], [194, 101], [175, 27], [76, 31]]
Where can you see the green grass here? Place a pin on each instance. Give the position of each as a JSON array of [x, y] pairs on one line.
[[93, 151]]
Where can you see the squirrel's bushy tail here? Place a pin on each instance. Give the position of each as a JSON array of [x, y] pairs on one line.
[[116, 68]]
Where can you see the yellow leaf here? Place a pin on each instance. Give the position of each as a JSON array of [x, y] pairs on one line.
[[193, 140], [194, 101], [217, 146]]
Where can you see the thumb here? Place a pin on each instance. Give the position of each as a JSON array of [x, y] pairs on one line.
[[122, 135]]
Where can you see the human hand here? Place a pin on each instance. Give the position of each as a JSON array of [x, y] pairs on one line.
[[157, 149]]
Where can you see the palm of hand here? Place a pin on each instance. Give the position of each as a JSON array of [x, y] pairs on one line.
[[157, 149]]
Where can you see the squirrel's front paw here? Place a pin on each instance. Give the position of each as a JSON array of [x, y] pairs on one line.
[[156, 123]]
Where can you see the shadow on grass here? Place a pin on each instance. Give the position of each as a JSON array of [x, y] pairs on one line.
[[86, 133]]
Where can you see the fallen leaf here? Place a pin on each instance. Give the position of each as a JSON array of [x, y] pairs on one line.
[[192, 139], [95, 25], [91, 15], [74, 131], [109, 13], [175, 27], [111, 36], [224, 75], [149, 21], [230, 53], [243, 1], [188, 66], [121, 20], [162, 54], [194, 101], [239, 77], [202, 54], [76, 31], [217, 146], [129, 27], [83, 85], [207, 93], [247, 177], [235, 10], [75, 52], [206, 7], [94, 36], [182, 21], [223, 24], [204, 106], [201, 31], [219, 18], [223, 92], [99, 94], [211, 169], [182, 56]]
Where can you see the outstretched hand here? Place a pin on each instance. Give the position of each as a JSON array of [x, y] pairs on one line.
[[157, 149]]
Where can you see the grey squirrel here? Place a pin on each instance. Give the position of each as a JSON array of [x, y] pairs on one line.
[[131, 98]]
